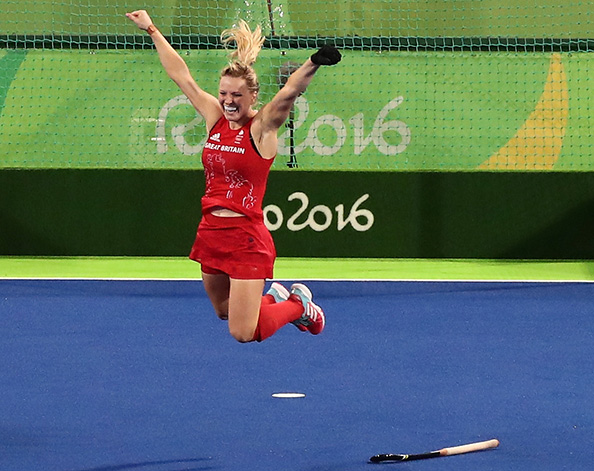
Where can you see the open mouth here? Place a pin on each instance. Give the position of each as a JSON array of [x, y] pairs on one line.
[[230, 109]]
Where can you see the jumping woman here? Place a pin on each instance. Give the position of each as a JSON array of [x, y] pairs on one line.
[[233, 245]]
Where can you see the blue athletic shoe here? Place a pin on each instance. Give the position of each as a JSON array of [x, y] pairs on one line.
[[313, 318], [278, 292]]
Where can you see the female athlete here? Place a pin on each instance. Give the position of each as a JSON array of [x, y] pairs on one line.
[[233, 245]]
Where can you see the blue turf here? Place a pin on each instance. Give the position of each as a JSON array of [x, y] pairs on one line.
[[141, 375]]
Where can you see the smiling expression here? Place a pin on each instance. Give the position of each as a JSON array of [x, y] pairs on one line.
[[236, 99]]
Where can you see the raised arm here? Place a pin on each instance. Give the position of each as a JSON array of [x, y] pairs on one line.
[[177, 69], [277, 111], [272, 116]]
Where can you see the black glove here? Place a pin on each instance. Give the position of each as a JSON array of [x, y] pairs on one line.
[[327, 55]]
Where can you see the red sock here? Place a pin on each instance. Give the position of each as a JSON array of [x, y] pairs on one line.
[[274, 316], [267, 299]]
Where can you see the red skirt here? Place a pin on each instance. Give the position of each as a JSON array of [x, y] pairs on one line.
[[235, 246]]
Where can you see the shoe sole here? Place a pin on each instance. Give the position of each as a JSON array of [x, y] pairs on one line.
[[281, 290]]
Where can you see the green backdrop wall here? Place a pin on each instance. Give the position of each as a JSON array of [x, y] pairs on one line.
[[394, 110], [444, 132], [431, 18], [317, 214]]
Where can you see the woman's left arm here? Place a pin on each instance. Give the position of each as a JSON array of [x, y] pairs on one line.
[[272, 116]]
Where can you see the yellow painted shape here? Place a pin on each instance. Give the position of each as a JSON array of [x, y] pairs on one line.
[[538, 143]]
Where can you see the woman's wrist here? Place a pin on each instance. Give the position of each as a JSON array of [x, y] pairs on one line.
[[151, 29]]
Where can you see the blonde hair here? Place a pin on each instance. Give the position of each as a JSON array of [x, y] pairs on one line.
[[249, 43]]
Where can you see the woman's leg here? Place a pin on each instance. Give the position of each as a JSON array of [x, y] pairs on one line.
[[245, 299], [217, 288], [252, 319], [251, 316]]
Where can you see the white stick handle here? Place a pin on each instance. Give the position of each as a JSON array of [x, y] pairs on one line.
[[478, 446]]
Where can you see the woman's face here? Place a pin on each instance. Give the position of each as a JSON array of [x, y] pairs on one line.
[[235, 98]]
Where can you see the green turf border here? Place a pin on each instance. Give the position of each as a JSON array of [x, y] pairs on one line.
[[304, 268]]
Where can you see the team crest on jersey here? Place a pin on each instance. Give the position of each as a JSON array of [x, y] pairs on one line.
[[239, 137]]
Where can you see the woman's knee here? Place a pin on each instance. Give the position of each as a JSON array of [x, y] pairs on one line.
[[241, 334]]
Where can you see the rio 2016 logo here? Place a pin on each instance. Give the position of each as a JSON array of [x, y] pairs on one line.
[[320, 217], [361, 141]]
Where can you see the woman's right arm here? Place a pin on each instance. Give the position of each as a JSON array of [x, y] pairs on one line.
[[177, 69]]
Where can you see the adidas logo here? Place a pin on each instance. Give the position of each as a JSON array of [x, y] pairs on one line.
[[216, 137]]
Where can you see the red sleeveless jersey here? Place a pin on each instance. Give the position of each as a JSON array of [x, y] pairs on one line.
[[236, 174]]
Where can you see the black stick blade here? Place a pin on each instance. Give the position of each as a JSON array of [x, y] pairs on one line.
[[395, 457], [387, 457]]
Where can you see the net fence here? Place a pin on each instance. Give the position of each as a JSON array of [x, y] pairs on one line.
[[450, 85]]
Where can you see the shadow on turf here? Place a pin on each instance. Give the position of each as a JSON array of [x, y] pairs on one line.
[[163, 466]]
